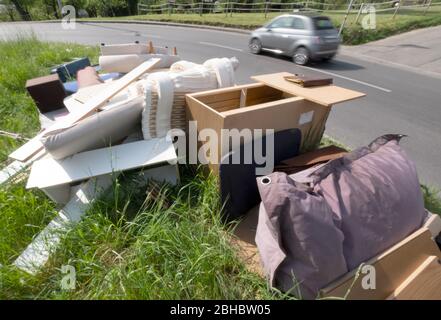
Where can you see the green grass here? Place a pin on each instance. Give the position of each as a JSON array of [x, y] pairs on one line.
[[353, 34], [127, 246], [130, 248], [26, 58]]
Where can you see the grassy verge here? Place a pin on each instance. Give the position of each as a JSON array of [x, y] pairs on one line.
[[127, 246], [353, 33], [26, 58]]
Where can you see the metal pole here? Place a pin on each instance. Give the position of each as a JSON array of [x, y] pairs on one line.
[[60, 7], [396, 9], [359, 12], [266, 9], [200, 8], [346, 16], [427, 8]]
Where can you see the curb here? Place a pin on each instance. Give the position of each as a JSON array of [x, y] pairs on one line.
[[161, 23], [345, 50]]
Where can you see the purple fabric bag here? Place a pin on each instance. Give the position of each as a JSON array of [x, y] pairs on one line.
[[297, 238], [355, 207]]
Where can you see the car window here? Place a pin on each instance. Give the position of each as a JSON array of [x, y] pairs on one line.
[[283, 22], [321, 23], [298, 24]]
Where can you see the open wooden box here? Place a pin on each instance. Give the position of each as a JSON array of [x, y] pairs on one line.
[[272, 103]]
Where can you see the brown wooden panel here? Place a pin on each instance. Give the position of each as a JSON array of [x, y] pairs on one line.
[[324, 95], [392, 268], [423, 284]]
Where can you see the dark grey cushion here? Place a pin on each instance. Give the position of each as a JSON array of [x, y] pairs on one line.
[[103, 129]]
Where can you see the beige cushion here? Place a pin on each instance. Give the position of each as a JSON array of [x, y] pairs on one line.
[[177, 118], [105, 128]]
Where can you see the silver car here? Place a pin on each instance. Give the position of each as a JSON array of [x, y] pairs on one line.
[[302, 37]]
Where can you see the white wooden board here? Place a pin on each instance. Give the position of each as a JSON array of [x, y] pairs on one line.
[[37, 253], [34, 145], [433, 223], [11, 170], [49, 172], [28, 149], [103, 96], [16, 167], [39, 250]]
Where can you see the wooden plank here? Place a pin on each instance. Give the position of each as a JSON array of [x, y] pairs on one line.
[[11, 170], [423, 284], [392, 267], [103, 96], [16, 167], [223, 93], [434, 225], [34, 145], [45, 243], [29, 149], [85, 94], [101, 161], [324, 95], [225, 105], [243, 98], [39, 250], [220, 97], [261, 100], [59, 194], [261, 92]]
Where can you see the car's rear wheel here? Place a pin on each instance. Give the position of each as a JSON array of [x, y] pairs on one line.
[[255, 46], [301, 56]]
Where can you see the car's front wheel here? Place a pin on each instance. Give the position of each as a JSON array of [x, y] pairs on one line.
[[301, 56], [255, 46]]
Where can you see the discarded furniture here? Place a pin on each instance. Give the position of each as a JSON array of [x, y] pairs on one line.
[[272, 103], [47, 92], [125, 57], [69, 70], [34, 145], [237, 177], [406, 269], [92, 169]]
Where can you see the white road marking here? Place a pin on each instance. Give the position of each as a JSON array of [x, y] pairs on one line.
[[350, 79], [150, 36], [220, 46]]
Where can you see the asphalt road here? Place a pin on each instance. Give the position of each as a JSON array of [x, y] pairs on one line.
[[398, 100]]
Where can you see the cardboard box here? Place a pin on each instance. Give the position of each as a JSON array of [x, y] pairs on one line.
[[274, 103]]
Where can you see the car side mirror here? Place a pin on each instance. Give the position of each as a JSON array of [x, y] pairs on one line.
[[269, 29]]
